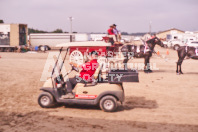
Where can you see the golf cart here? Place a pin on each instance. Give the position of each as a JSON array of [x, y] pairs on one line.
[[105, 90]]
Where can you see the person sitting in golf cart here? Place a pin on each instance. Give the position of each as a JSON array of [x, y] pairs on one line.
[[86, 75]]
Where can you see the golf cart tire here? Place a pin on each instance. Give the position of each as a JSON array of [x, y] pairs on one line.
[[108, 103], [46, 100]]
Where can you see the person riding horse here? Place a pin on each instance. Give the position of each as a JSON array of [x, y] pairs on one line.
[[144, 51]]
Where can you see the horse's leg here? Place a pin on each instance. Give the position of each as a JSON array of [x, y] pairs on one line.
[[181, 55], [125, 50], [147, 62], [146, 66], [177, 68], [180, 69], [179, 63], [126, 59]]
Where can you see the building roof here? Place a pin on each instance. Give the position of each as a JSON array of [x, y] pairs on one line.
[[170, 30]]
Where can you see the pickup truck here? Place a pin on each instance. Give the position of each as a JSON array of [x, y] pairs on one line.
[[175, 44]]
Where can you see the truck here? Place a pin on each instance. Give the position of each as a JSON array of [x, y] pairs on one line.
[[12, 36], [175, 41]]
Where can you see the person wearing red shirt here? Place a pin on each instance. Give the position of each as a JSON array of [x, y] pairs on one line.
[[86, 75], [111, 34], [110, 30]]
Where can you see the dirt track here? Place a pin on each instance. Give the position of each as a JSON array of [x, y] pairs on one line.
[[161, 101]]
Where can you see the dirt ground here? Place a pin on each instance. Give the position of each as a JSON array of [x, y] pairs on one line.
[[161, 101]]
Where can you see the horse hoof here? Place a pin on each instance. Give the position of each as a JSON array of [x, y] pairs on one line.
[[181, 72], [178, 73]]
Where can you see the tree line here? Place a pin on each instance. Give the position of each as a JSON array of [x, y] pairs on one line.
[[58, 30]]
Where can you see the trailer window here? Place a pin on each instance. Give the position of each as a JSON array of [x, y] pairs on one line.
[[168, 36]]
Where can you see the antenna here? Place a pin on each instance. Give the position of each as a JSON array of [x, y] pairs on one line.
[[150, 27]]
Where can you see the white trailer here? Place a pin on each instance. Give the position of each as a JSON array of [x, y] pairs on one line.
[[49, 40], [97, 37]]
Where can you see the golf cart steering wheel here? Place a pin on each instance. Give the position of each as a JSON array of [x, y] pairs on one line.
[[74, 68]]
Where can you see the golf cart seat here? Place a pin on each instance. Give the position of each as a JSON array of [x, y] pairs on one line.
[[95, 80]]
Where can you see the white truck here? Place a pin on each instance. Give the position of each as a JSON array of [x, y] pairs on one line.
[[175, 41]]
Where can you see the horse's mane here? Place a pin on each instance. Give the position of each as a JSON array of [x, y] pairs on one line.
[[151, 40]]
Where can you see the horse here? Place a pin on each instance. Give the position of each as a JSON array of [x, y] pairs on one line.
[[144, 51], [183, 51]]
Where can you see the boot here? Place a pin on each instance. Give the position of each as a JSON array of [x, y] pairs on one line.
[[68, 96]]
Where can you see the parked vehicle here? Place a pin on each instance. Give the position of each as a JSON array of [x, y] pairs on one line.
[[193, 44], [12, 36], [175, 41], [46, 41], [176, 44]]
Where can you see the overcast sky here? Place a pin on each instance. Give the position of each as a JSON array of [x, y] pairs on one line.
[[96, 15]]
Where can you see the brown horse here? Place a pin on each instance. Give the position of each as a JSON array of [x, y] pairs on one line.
[[184, 51], [143, 51]]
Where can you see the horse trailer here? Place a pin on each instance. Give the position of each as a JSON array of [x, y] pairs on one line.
[[12, 36]]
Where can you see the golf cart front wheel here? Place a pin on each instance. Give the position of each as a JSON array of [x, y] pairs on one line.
[[108, 103], [45, 100]]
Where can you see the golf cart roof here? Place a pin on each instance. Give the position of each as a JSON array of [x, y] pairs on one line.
[[86, 43]]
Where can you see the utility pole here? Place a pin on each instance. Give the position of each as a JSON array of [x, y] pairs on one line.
[[70, 18], [150, 27]]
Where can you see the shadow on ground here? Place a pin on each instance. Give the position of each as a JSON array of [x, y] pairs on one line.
[[129, 103], [137, 102], [42, 121]]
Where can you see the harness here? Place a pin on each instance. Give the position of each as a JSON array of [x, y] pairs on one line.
[[186, 48], [146, 48]]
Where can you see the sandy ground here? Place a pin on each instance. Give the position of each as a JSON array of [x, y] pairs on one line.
[[161, 101]]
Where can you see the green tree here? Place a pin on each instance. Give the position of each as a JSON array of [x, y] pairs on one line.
[[124, 33], [1, 21], [57, 31], [31, 30]]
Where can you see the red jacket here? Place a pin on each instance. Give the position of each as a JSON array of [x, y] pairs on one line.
[[88, 69], [110, 31]]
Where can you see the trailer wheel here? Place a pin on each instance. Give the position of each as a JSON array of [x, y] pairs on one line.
[[108, 103], [46, 100], [76, 57], [48, 48], [43, 48]]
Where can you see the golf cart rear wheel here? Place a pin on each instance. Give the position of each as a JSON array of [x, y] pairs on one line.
[[108, 103], [45, 100]]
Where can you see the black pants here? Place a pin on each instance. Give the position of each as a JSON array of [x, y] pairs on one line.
[[71, 83]]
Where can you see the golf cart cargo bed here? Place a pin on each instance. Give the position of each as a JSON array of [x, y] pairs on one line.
[[119, 76]]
